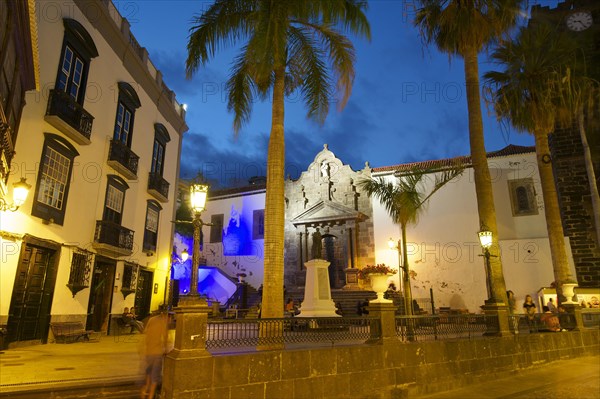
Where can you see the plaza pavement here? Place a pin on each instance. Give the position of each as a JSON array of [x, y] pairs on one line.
[[114, 360], [108, 360]]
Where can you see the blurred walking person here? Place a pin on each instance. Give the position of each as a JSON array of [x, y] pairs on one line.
[[155, 348]]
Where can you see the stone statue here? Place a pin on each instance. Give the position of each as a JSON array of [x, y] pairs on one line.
[[324, 169], [316, 244]]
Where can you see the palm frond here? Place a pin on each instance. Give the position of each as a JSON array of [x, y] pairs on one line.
[[223, 24], [240, 88]]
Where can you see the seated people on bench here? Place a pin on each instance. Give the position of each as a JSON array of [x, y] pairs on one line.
[[291, 308], [129, 319], [550, 320]]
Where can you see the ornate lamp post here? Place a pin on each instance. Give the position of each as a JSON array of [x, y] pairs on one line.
[[198, 194], [485, 239], [20, 192]]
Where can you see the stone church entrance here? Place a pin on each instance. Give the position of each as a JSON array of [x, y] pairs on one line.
[[328, 217]]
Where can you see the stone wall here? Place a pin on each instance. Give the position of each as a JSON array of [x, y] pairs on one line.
[[389, 370], [575, 204]]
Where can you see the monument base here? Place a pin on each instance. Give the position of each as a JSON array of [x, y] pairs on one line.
[[317, 293]]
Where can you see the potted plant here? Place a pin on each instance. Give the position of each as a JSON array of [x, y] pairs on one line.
[[378, 276]]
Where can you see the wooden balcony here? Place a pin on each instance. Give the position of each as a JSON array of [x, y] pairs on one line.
[[158, 187], [113, 239], [65, 114], [123, 160]]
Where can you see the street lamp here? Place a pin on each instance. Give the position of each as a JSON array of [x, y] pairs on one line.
[[485, 239], [184, 256], [20, 192], [198, 194]]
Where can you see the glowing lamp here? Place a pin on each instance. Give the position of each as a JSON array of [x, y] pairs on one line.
[[392, 243], [20, 192], [184, 256], [198, 194], [485, 238]]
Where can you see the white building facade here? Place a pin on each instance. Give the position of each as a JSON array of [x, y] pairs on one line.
[[100, 145], [443, 247]]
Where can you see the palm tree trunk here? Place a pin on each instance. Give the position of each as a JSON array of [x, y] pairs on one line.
[[406, 278], [272, 305], [589, 167], [552, 212], [483, 182]]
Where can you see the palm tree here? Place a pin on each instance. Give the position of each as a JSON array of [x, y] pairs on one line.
[[285, 46], [464, 28], [405, 201], [527, 94], [581, 96]]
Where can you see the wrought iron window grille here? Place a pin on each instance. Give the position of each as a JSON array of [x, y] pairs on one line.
[[130, 272], [81, 267]]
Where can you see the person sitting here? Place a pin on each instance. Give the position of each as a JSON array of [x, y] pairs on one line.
[[362, 308], [551, 305], [338, 308], [550, 320], [290, 308], [129, 319]]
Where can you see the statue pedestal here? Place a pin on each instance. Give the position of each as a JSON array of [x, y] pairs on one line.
[[317, 293]]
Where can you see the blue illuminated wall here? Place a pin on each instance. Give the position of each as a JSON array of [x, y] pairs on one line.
[[237, 235]]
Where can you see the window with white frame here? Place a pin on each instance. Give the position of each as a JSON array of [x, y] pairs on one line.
[[77, 51], [54, 178], [151, 227], [114, 200]]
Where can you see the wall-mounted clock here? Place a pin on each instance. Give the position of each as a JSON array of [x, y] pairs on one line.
[[579, 20]]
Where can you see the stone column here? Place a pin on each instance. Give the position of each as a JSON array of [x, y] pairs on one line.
[[180, 371], [300, 252], [501, 311], [305, 243], [354, 234], [574, 311], [385, 324]]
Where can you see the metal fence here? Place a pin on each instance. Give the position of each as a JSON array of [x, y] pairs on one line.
[[292, 331], [445, 326], [591, 318]]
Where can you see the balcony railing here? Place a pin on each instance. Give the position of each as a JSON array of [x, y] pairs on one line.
[[7, 150], [158, 187], [65, 114], [123, 160], [113, 238]]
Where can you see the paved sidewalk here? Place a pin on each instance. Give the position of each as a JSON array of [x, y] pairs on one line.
[[564, 379], [109, 359]]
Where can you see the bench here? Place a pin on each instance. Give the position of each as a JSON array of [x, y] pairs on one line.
[[69, 332]]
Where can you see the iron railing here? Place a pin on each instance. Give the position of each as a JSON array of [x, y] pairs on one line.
[[113, 234], [291, 332], [158, 184], [591, 318], [122, 154], [438, 327], [62, 105]]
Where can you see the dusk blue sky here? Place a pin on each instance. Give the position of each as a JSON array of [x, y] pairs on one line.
[[408, 103]]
